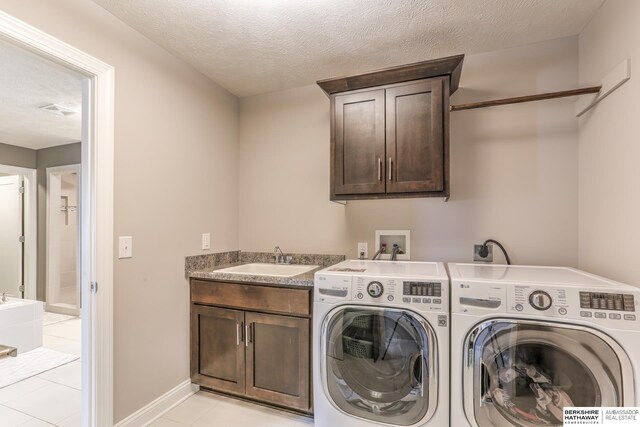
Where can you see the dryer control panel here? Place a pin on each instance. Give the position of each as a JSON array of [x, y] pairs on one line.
[[606, 308], [536, 300], [607, 301], [599, 306]]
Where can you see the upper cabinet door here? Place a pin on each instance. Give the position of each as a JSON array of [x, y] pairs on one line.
[[415, 157], [358, 143]]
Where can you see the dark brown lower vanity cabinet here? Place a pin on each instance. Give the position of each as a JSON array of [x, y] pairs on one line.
[[252, 341]]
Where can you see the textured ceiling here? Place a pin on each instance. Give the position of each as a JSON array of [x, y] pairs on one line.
[[27, 82], [257, 46]]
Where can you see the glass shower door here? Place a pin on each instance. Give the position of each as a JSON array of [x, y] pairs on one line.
[[63, 243]]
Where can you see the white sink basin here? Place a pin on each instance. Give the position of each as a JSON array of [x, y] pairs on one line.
[[261, 269]]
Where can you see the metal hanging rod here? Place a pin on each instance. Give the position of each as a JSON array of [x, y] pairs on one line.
[[528, 98]]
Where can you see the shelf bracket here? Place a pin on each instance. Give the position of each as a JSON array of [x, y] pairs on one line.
[[612, 81]]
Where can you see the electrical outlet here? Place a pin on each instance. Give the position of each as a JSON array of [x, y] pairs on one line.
[[363, 250], [478, 258], [206, 241], [125, 247]]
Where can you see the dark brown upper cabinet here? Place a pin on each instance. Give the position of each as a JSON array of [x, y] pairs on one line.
[[390, 131], [415, 137], [358, 147]]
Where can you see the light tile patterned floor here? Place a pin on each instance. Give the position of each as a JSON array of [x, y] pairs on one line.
[[209, 410], [53, 397]]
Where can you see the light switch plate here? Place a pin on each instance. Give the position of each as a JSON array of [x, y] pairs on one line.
[[125, 247], [206, 241]]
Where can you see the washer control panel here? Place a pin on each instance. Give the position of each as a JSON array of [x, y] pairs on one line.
[[421, 295], [425, 289]]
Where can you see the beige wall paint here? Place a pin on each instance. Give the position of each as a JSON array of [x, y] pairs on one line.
[[46, 158], [514, 170], [610, 148], [12, 155], [176, 171]]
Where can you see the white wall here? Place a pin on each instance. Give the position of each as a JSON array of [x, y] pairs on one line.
[[610, 146], [514, 169], [175, 168]]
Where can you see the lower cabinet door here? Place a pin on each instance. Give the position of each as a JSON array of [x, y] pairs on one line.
[[217, 348], [277, 360]]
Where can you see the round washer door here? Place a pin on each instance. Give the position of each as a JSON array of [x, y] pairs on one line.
[[522, 373], [380, 364]]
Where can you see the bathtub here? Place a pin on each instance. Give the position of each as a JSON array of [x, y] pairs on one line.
[[21, 324]]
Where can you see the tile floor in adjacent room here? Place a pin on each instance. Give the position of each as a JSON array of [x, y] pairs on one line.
[[206, 409], [53, 397]]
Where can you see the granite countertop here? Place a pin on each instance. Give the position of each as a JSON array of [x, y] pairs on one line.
[[207, 266]]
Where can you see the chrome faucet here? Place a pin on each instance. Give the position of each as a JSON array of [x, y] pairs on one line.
[[3, 299], [281, 258]]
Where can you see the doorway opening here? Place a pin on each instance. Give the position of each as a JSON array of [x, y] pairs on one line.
[[81, 375], [40, 321]]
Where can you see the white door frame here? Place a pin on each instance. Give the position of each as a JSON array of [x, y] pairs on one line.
[[52, 274], [30, 229], [97, 212]]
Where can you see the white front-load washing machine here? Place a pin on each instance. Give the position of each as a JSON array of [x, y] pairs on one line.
[[528, 341], [380, 344]]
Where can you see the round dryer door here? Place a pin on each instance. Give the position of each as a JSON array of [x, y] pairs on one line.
[[380, 364], [521, 373]]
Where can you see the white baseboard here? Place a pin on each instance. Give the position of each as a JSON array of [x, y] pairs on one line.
[[154, 410]]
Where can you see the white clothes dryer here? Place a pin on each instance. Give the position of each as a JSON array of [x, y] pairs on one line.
[[528, 341], [381, 343]]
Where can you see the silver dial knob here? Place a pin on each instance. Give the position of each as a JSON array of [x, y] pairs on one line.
[[375, 289], [540, 300]]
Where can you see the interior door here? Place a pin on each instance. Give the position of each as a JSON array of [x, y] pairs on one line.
[[358, 148], [524, 373], [415, 139], [380, 365], [10, 232], [217, 348], [278, 360]]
